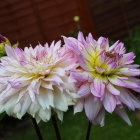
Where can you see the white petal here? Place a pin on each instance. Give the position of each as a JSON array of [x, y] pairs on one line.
[[9, 106], [79, 106], [34, 108], [25, 105], [47, 85], [10, 51], [45, 115], [32, 94], [45, 98], [59, 114], [60, 101]]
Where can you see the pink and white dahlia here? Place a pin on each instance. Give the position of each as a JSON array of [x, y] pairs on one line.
[[106, 78], [36, 81]]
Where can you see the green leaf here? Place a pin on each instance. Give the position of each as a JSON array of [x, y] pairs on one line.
[[2, 115]]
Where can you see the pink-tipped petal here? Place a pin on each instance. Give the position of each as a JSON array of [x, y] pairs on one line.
[[100, 118], [116, 81], [10, 51], [122, 113], [84, 90], [103, 42], [93, 91], [109, 102], [99, 86], [92, 107], [112, 89], [81, 38], [126, 99], [128, 58]]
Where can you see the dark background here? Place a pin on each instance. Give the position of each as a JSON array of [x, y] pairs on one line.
[[33, 21]]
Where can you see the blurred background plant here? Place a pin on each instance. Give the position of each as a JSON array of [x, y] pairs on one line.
[[4, 41]]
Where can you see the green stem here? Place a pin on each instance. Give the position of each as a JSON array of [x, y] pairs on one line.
[[88, 131], [57, 133], [36, 127]]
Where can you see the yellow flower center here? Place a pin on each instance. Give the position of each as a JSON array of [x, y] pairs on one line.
[[101, 67]]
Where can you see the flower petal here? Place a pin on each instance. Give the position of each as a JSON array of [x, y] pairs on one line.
[[100, 118], [128, 58], [99, 86], [10, 51], [125, 98], [116, 81], [84, 90], [79, 106], [92, 107], [121, 112], [93, 91], [109, 102], [112, 89]]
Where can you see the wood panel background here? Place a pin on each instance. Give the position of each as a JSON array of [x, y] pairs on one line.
[[115, 18], [33, 21]]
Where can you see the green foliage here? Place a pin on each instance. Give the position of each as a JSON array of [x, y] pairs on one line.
[[2, 46], [2, 116], [75, 127], [132, 43]]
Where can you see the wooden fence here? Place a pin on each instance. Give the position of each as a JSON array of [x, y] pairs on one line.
[[33, 21], [115, 18]]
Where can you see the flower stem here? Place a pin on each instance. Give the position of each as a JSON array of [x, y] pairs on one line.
[[37, 129], [88, 130], [57, 133]]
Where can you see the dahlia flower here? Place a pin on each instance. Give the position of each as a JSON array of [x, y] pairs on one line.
[[36, 81], [106, 79]]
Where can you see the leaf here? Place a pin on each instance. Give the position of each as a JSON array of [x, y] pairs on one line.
[[2, 115]]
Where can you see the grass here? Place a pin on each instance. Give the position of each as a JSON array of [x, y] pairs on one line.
[[74, 128]]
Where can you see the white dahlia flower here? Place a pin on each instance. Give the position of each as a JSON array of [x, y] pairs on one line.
[[36, 81]]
